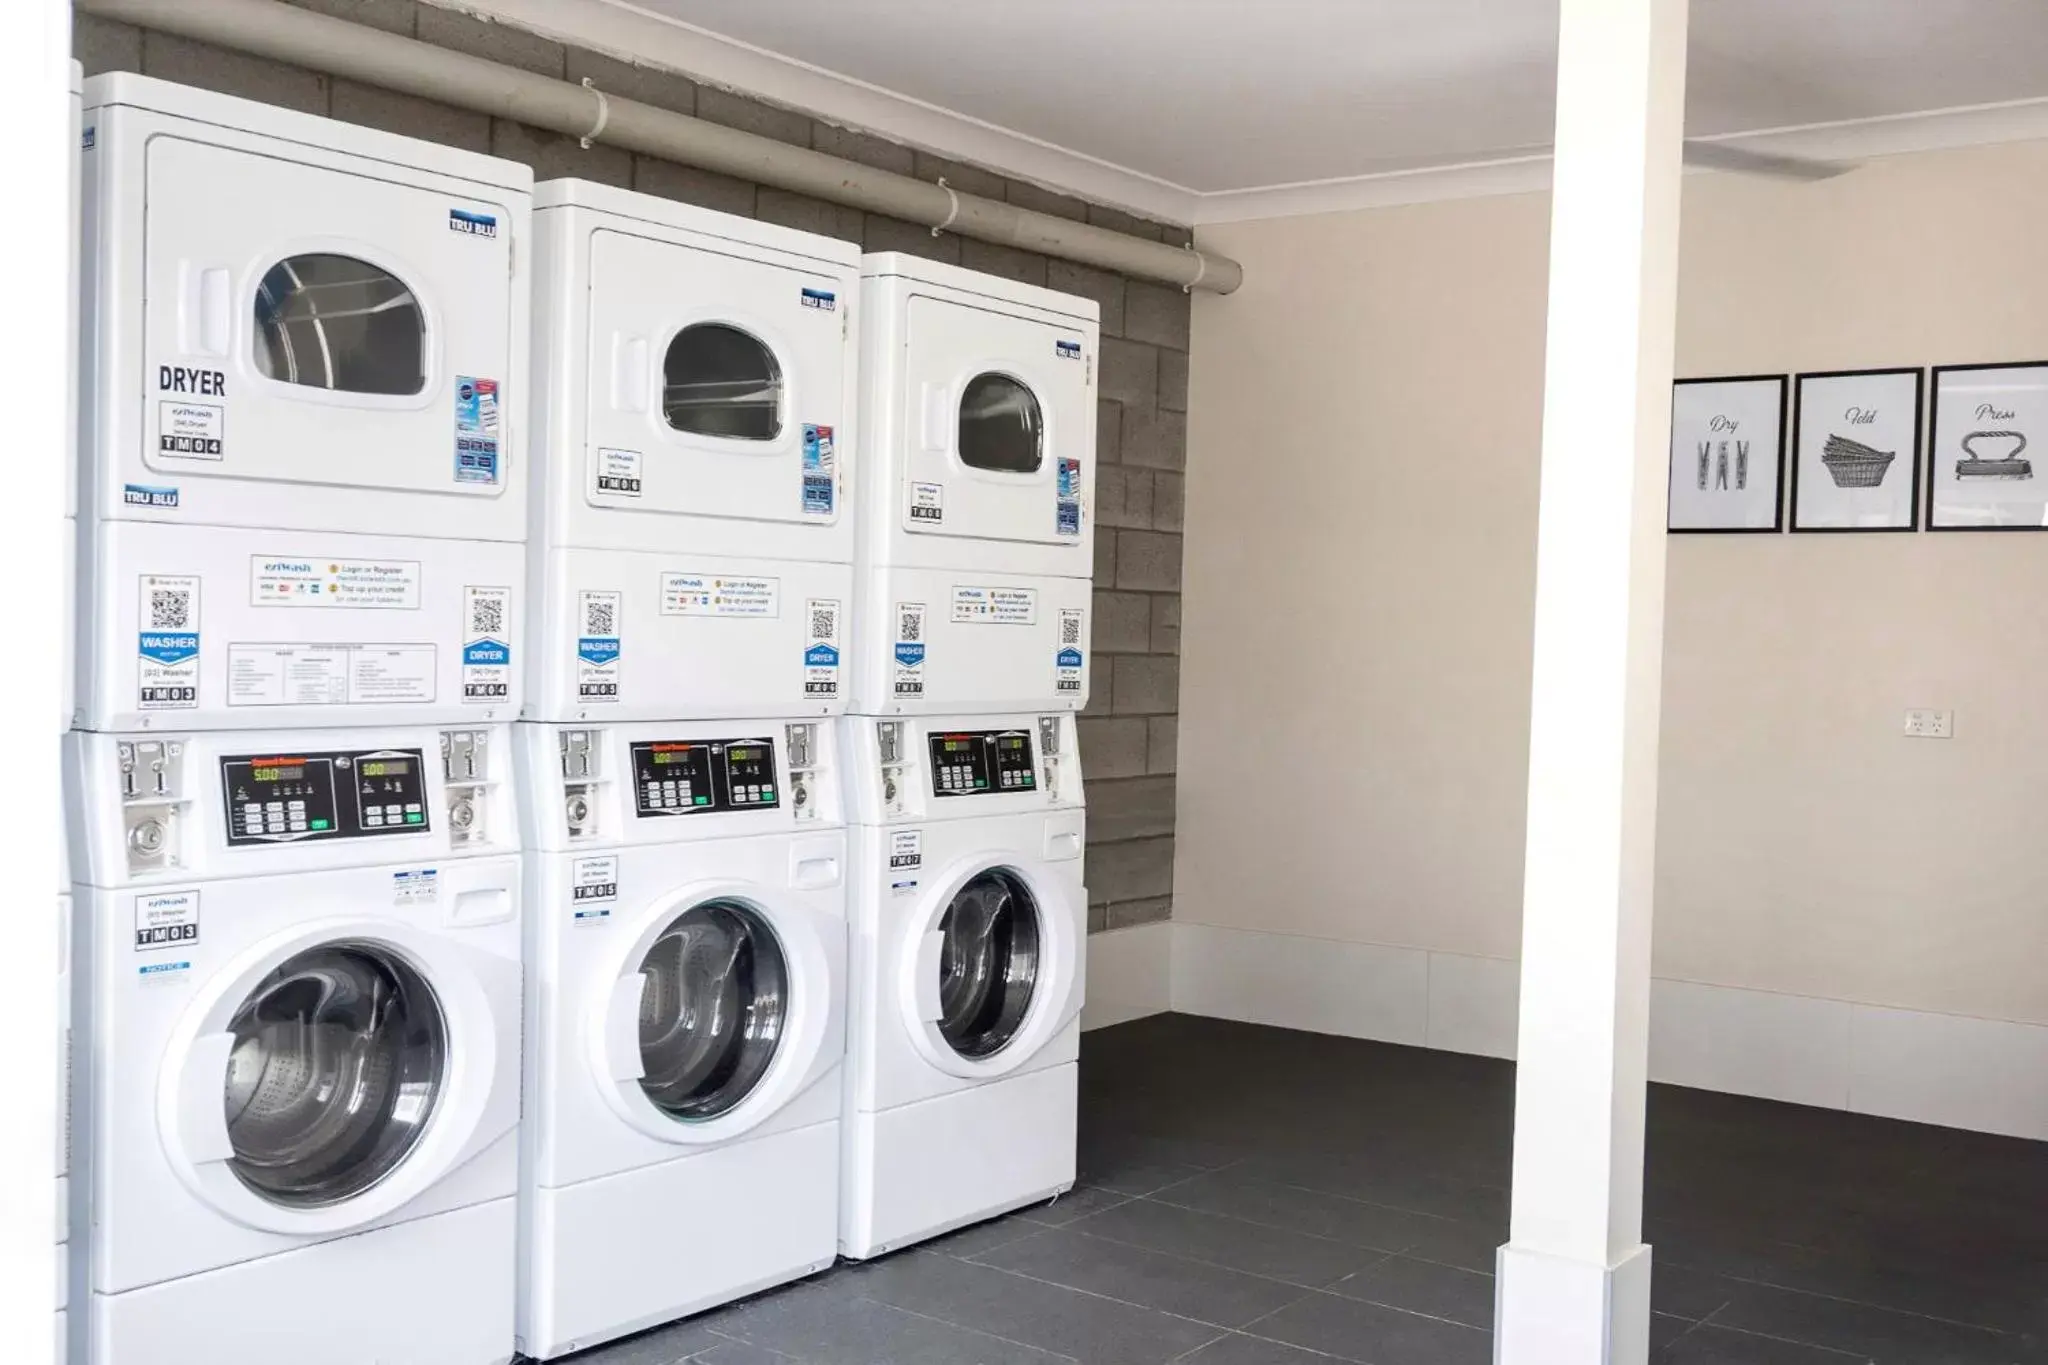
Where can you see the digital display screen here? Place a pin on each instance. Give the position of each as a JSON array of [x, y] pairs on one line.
[[664, 757], [742, 755], [385, 767], [277, 773]]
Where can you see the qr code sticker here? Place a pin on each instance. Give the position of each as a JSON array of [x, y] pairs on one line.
[[824, 620], [1070, 628], [486, 615], [600, 616], [910, 625], [170, 609]]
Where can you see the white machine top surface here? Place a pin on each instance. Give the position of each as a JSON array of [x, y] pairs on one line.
[[881, 265], [669, 213], [288, 125]]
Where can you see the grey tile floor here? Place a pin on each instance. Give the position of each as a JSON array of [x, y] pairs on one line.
[[1253, 1196]]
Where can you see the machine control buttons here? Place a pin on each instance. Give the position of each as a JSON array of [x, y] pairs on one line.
[[702, 776], [982, 762], [277, 798]]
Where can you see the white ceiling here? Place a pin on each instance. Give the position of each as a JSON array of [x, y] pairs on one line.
[[1186, 101]]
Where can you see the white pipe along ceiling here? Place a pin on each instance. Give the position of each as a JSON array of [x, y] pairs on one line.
[[337, 47]]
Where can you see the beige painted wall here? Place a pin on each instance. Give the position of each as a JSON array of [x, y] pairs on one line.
[[1361, 517]]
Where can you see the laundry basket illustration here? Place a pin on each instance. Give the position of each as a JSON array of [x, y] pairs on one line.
[[2007, 466], [1852, 464]]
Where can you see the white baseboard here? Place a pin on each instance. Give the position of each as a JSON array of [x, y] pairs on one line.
[[1959, 1072], [1129, 975]]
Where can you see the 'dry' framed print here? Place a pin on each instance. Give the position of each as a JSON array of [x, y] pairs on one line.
[[1985, 448], [1856, 450], [1727, 454]]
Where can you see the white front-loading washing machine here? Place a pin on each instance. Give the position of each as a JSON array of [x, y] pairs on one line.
[[298, 1042], [686, 1008], [977, 479], [968, 972], [693, 549], [303, 364]]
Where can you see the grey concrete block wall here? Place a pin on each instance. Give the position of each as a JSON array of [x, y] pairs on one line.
[[1130, 730]]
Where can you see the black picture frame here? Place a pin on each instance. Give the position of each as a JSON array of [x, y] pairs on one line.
[[1934, 431], [1921, 440], [1777, 525]]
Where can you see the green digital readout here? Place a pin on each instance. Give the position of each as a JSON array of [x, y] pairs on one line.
[[276, 774], [384, 767]]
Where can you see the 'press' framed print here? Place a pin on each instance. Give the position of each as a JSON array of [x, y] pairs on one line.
[[1856, 451], [1986, 447], [1727, 454]]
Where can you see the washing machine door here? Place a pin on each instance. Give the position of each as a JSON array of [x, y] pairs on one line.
[[724, 1008], [312, 324], [717, 381], [992, 967], [1001, 430], [334, 1075]]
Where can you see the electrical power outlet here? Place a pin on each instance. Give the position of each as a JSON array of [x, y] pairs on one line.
[[1922, 723]]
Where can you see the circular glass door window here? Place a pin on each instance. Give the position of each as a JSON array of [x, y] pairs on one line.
[[988, 963], [338, 1062], [334, 322], [1001, 427], [713, 1004], [720, 381]]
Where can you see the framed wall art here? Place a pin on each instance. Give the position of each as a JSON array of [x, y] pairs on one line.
[[1727, 454], [1986, 447], [1856, 451]]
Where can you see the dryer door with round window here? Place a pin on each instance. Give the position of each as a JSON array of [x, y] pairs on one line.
[[1000, 433], [717, 381], [994, 969], [322, 324]]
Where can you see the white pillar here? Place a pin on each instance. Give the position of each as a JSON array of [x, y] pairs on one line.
[[1574, 1282], [35, 75]]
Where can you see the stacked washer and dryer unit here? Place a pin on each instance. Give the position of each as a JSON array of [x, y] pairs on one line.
[[298, 895], [692, 558], [969, 666]]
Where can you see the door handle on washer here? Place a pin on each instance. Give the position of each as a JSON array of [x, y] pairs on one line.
[[808, 874]]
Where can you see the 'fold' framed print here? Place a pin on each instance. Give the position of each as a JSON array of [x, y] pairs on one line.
[[1856, 451], [1727, 454], [1985, 448]]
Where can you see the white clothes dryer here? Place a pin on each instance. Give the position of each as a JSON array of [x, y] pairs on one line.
[[686, 998], [977, 484], [298, 1090], [303, 363], [693, 550], [968, 970]]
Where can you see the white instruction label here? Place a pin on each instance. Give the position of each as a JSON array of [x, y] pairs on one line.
[[597, 646], [698, 594], [995, 606], [415, 886], [927, 503], [907, 658], [330, 675], [906, 849], [375, 584], [167, 645], [593, 885], [193, 431], [618, 471], [166, 919]]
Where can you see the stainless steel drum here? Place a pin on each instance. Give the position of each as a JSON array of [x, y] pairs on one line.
[[334, 322], [988, 963], [712, 1008], [339, 1059]]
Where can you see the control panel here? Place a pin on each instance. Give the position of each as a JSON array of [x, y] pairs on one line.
[[352, 794], [699, 776], [981, 762]]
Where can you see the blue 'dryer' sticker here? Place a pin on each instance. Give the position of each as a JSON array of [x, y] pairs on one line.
[[821, 472], [476, 430]]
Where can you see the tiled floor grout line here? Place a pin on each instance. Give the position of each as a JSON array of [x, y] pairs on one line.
[[1097, 1294], [1185, 1355], [1861, 1303], [1335, 1241], [963, 1327]]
